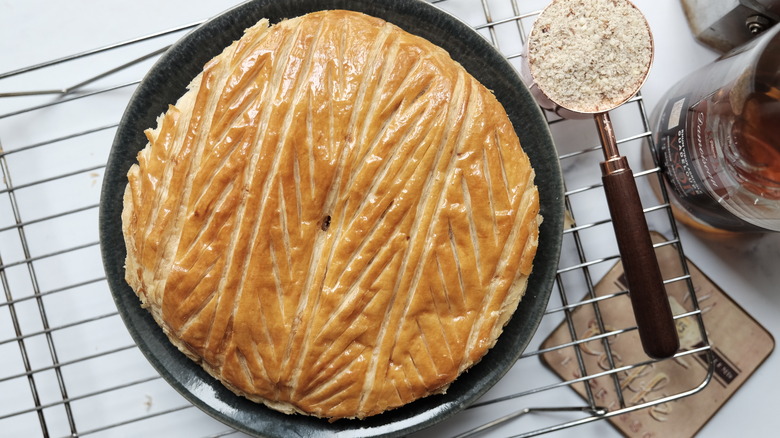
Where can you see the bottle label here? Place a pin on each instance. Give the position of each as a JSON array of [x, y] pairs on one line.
[[688, 156], [704, 154]]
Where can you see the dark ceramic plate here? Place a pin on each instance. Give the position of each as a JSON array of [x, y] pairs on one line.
[[166, 82]]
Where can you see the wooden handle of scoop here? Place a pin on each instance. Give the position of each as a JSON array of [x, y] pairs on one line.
[[654, 318]]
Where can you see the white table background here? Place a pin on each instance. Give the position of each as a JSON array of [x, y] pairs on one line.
[[748, 269]]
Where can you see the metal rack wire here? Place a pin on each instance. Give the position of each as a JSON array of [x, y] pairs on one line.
[[70, 369]]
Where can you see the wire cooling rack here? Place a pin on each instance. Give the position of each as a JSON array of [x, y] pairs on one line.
[[67, 364]]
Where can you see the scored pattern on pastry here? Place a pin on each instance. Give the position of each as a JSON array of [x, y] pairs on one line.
[[336, 219]]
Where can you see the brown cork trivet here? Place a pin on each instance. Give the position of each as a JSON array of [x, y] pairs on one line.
[[739, 346]]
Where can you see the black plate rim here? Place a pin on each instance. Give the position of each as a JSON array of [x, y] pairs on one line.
[[204, 391]]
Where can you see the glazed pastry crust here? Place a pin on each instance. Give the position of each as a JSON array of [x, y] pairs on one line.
[[336, 219]]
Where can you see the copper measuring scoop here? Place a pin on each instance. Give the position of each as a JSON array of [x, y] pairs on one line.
[[650, 303]]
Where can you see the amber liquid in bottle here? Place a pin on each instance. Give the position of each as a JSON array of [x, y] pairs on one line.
[[757, 159], [717, 134]]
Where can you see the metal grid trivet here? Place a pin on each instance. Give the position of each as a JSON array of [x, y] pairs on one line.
[[70, 369]]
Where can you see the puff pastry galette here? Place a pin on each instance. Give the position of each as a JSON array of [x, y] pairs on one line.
[[336, 219]]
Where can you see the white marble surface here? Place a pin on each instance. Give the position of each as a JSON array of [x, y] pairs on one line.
[[747, 268]]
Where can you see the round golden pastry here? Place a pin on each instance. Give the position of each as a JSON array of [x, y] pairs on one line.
[[336, 219]]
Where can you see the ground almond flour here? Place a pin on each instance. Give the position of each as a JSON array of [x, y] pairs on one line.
[[590, 55]]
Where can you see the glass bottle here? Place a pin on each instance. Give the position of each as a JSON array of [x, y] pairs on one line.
[[717, 137]]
